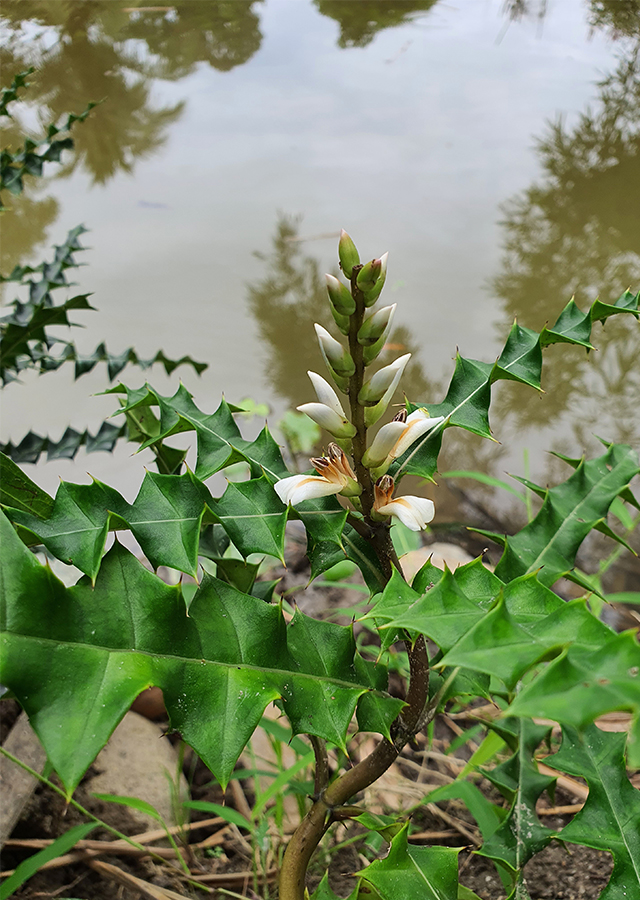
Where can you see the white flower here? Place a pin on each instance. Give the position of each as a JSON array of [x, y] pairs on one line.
[[417, 424], [383, 443], [392, 441], [335, 476], [414, 512]]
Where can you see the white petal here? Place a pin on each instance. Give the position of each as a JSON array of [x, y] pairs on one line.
[[329, 419], [383, 443], [414, 512], [418, 423], [328, 344], [326, 393], [297, 488]]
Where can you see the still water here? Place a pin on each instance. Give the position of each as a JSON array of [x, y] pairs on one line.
[[492, 147]]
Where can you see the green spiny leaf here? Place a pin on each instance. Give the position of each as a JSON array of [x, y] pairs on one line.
[[609, 819], [253, 516], [414, 873], [521, 835], [469, 394], [583, 683], [81, 655], [568, 513], [18, 491]]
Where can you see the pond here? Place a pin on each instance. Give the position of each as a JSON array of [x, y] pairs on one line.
[[492, 147]]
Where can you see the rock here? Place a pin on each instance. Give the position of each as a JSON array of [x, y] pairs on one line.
[[440, 553], [138, 761], [17, 785]]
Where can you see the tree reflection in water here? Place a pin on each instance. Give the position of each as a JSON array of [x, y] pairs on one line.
[[360, 21], [577, 231]]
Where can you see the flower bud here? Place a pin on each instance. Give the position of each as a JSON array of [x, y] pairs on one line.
[[369, 275], [376, 326], [372, 295], [384, 381], [370, 354], [325, 393], [347, 253], [329, 419], [341, 321], [336, 357], [340, 296]]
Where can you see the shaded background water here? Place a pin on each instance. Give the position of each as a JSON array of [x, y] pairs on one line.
[[493, 148]]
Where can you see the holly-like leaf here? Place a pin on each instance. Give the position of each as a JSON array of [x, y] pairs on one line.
[[20, 492], [362, 554], [443, 613], [529, 624], [32, 445], [609, 819], [324, 520], [218, 437], [25, 339], [165, 518], [253, 516], [551, 540], [81, 655], [521, 834], [469, 394], [584, 683], [414, 873]]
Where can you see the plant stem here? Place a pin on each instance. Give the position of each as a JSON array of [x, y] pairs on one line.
[[414, 716]]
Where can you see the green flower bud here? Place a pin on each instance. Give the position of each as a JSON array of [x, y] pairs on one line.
[[382, 385], [347, 253], [369, 275], [337, 358], [370, 354], [372, 295], [340, 296], [376, 326], [341, 321]]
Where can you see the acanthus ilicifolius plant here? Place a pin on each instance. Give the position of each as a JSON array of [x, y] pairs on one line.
[[369, 491], [76, 657]]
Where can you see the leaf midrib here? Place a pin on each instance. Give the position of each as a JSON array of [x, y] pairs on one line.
[[288, 673], [572, 517]]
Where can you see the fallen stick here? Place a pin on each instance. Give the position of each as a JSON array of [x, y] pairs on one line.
[[151, 891], [560, 810], [455, 823]]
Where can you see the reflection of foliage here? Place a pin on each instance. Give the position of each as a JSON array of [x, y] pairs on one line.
[[578, 232], [361, 21], [285, 304], [620, 17], [223, 33]]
